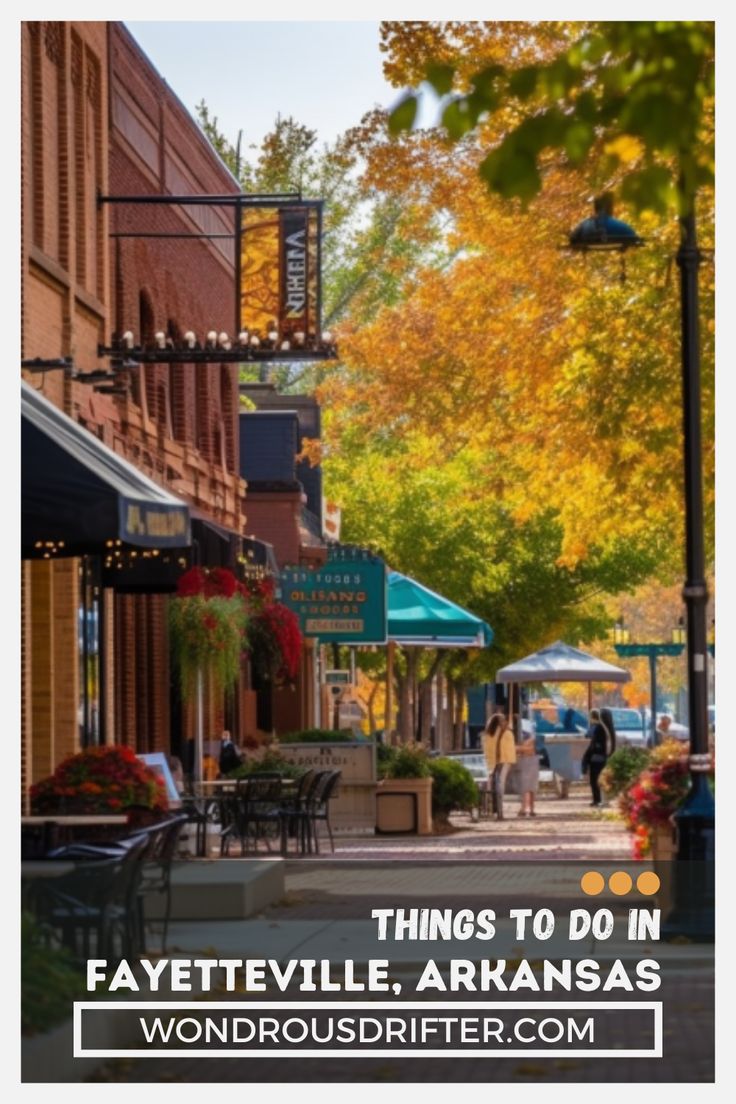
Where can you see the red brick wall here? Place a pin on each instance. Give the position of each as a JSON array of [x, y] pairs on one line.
[[98, 119], [274, 518]]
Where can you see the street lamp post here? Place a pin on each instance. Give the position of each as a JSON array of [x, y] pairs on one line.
[[693, 913]]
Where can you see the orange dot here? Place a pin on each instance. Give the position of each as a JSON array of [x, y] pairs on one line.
[[647, 883], [592, 883], [620, 883]]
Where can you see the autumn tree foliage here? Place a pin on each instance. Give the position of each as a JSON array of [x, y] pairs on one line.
[[505, 419], [509, 429]]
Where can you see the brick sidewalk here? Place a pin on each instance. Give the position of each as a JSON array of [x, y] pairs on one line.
[[563, 829]]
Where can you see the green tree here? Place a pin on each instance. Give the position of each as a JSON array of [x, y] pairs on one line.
[[640, 93]]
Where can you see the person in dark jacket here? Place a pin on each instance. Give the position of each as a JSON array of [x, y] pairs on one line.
[[229, 755], [596, 753]]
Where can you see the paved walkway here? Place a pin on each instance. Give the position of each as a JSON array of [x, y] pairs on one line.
[[563, 829]]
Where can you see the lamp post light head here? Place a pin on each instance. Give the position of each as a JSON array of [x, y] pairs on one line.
[[621, 635], [679, 633], [603, 232]]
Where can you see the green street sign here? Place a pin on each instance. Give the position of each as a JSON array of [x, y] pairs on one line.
[[344, 601], [649, 649]]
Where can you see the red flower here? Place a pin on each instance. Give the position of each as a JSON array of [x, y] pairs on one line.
[[223, 581], [192, 582]]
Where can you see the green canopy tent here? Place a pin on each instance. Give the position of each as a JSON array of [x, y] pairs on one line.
[[418, 617]]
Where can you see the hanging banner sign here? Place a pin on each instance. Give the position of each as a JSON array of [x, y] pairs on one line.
[[344, 601], [280, 272]]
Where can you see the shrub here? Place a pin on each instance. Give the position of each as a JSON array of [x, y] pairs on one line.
[[49, 980], [318, 736], [408, 761], [270, 762], [100, 780], [622, 768], [454, 788]]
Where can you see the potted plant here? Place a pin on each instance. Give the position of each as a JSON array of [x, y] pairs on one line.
[[648, 803], [102, 780], [403, 773]]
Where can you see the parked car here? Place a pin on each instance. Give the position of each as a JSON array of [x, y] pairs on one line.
[[630, 727], [677, 731]]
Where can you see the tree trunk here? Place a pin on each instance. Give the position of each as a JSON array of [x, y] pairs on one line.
[[425, 700], [411, 678], [457, 728], [449, 717], [371, 712], [403, 695]]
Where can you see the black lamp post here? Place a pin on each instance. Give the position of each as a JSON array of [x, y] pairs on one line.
[[693, 913]]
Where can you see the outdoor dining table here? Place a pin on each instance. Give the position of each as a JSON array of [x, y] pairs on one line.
[[34, 870], [207, 797], [50, 822], [204, 800]]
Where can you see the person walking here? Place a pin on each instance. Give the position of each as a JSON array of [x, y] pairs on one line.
[[499, 749], [526, 752], [489, 744], [596, 753]]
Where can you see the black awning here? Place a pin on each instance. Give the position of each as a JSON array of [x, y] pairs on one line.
[[260, 555], [213, 545], [77, 495]]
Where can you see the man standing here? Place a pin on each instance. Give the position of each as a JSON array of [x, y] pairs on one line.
[[663, 730]]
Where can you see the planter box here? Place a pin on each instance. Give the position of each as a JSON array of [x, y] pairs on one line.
[[404, 805], [353, 809]]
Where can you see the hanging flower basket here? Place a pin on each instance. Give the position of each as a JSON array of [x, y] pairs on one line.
[[207, 620], [275, 643]]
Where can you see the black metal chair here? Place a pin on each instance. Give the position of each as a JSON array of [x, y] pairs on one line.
[[97, 900], [294, 807], [156, 870], [255, 807], [317, 806]]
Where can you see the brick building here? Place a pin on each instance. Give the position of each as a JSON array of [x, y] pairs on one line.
[[97, 120], [284, 508]]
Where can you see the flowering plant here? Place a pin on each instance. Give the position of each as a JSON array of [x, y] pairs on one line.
[[208, 618], [655, 794], [275, 642], [100, 780]]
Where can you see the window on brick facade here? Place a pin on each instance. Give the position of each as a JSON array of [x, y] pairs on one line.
[[227, 400], [163, 408], [147, 328], [146, 318]]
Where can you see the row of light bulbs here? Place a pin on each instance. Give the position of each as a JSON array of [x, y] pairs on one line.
[[223, 341]]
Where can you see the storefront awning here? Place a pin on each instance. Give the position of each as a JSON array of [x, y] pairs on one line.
[[259, 555], [77, 494], [418, 616]]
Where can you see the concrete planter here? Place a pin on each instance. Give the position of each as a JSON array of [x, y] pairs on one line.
[[663, 856], [404, 805], [353, 808]]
